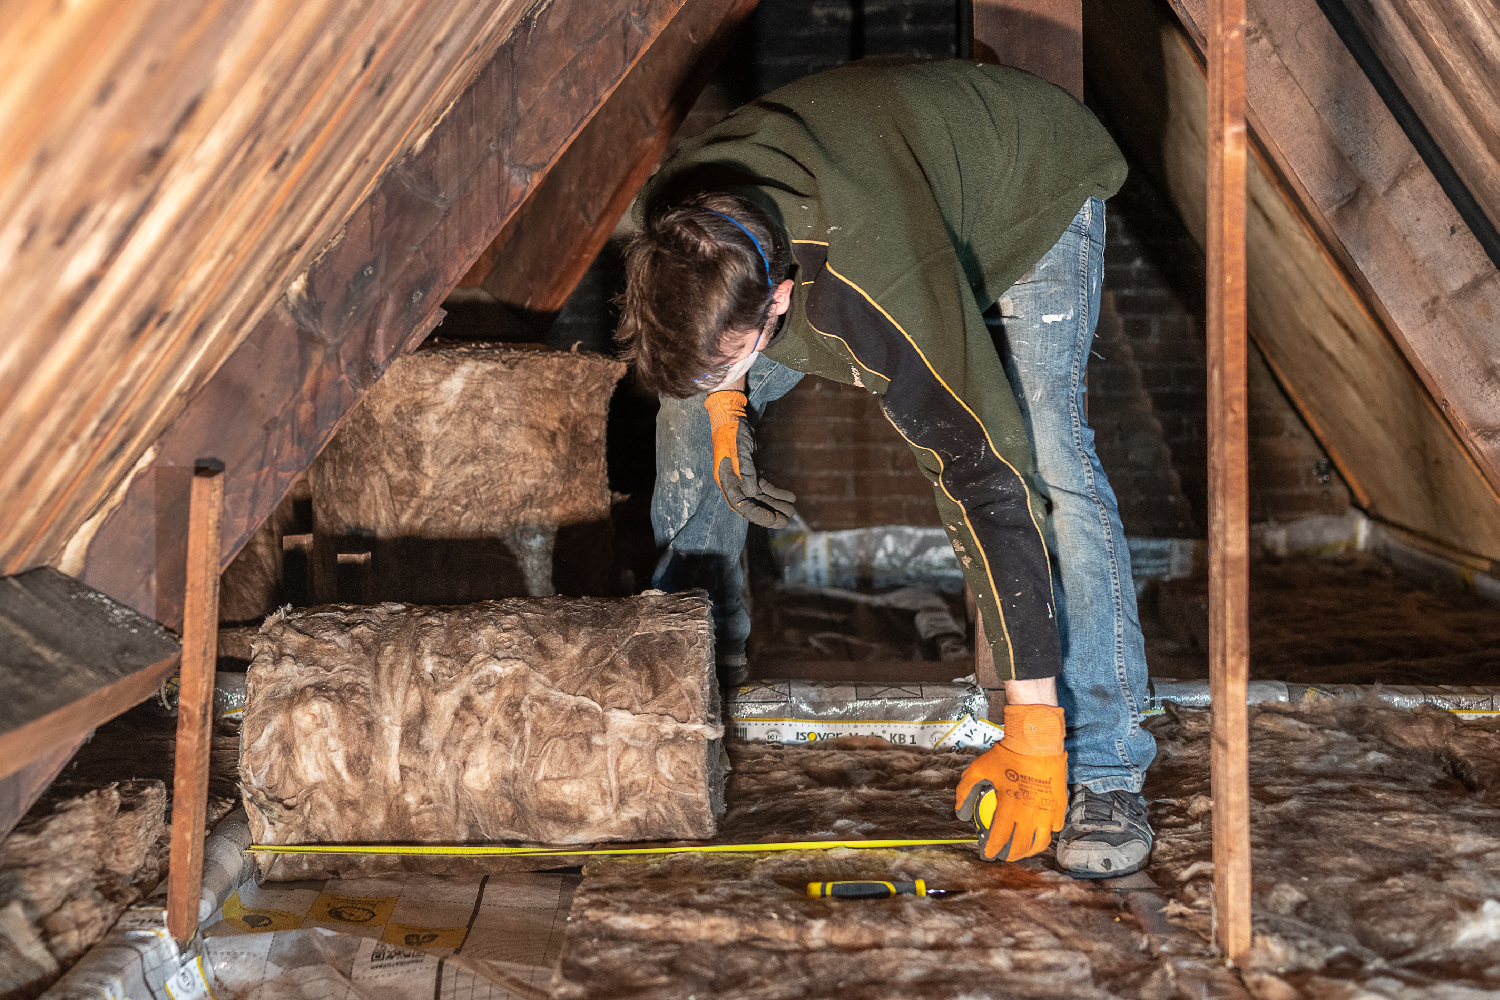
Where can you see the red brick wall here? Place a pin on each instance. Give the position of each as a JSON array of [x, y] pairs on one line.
[[1290, 474], [830, 444]]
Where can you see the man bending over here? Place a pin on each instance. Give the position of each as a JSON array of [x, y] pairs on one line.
[[933, 233]]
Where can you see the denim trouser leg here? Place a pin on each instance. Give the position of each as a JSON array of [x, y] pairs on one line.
[[1049, 318], [700, 535]]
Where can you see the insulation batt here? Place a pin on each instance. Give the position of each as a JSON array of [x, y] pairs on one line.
[[1376, 839], [543, 720], [467, 473]]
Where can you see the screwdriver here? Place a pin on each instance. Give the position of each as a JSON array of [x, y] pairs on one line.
[[874, 890]]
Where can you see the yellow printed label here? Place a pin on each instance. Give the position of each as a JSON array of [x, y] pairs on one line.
[[412, 936], [366, 911], [245, 918]]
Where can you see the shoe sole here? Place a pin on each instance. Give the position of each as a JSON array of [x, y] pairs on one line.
[[1091, 876]]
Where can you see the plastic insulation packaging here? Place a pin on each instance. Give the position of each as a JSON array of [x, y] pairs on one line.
[[230, 694], [1452, 698], [803, 712]]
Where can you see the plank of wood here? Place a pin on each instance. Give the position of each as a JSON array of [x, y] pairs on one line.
[[1043, 37], [20, 789], [165, 171], [195, 702], [1445, 57], [72, 659], [545, 248], [1346, 375], [1228, 476], [1378, 210], [373, 293]]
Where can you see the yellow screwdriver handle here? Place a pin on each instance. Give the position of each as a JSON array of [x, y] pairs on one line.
[[865, 890]]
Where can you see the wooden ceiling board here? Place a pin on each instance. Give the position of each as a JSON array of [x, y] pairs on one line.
[[1446, 59], [1378, 210], [1346, 375], [169, 167], [1399, 456]]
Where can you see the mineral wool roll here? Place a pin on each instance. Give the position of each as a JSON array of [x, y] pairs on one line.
[[542, 720], [469, 472]]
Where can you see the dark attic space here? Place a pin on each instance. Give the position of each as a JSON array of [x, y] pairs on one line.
[[653, 499]]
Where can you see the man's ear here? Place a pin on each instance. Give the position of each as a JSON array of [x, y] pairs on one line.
[[782, 297]]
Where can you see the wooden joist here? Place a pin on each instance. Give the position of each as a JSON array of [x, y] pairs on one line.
[[1382, 215], [70, 659], [165, 171], [370, 295], [545, 248], [1330, 351]]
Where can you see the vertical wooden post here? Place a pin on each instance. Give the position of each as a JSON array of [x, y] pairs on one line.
[[1228, 472], [200, 631]]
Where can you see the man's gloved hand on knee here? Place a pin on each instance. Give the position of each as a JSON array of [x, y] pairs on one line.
[[1017, 791], [752, 498]]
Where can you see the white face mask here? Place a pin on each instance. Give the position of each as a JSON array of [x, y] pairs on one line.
[[739, 368]]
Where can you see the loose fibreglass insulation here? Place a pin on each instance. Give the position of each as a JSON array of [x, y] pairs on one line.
[[1376, 839], [67, 871], [541, 720], [468, 472]]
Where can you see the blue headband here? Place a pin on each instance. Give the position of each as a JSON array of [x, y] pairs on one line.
[[769, 287]]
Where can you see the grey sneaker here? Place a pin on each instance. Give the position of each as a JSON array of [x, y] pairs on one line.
[[1106, 834]]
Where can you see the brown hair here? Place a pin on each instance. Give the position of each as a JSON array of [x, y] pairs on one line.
[[692, 274]]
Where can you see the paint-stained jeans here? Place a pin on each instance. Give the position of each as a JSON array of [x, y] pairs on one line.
[[1043, 329]]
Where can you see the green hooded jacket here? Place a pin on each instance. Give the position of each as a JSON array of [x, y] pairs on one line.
[[914, 196]]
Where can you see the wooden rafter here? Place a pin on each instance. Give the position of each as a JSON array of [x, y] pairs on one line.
[[1330, 349], [70, 660], [545, 248], [1445, 57]]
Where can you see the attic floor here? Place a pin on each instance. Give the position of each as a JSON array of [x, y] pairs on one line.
[[1376, 844], [1376, 855]]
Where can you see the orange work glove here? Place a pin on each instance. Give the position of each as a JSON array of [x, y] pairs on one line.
[[1017, 791], [752, 498]]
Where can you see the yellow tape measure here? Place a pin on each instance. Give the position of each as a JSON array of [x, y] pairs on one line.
[[484, 851]]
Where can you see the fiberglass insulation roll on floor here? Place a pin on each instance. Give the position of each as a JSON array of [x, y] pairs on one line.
[[545, 720]]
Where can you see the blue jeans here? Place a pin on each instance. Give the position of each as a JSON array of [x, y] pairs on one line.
[[1043, 334], [700, 536]]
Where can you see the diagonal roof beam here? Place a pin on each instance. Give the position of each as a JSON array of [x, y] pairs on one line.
[[545, 248]]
